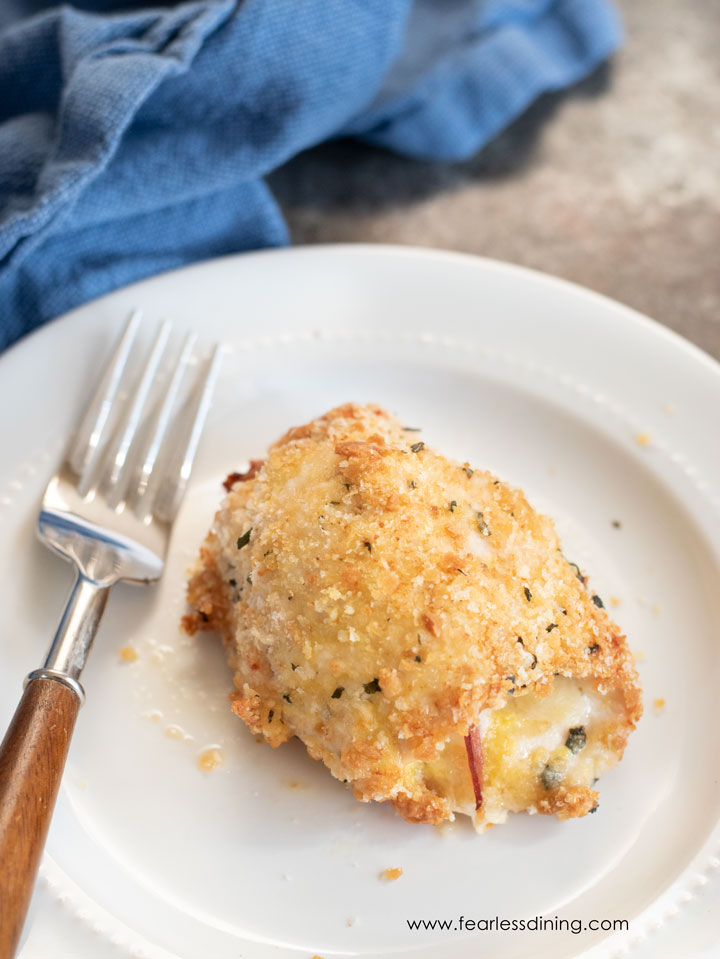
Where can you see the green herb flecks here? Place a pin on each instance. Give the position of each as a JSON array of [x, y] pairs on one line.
[[535, 659], [577, 739], [244, 539], [528, 594], [293, 666], [287, 699], [482, 525], [550, 777], [338, 692], [551, 627], [598, 602], [372, 687], [451, 505], [270, 715], [416, 447], [368, 546], [595, 648]]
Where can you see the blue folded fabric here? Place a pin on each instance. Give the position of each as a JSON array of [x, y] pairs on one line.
[[135, 142]]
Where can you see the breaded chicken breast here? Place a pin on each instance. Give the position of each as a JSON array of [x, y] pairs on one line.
[[415, 623]]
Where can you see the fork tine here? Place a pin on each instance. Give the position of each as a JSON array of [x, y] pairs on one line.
[[174, 482], [151, 451], [86, 442], [119, 448]]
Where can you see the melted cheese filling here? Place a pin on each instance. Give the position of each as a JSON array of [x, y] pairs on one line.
[[532, 746]]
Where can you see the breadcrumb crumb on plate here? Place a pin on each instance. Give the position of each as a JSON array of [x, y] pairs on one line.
[[416, 624], [210, 758]]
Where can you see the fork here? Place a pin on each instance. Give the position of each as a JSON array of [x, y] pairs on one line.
[[108, 510]]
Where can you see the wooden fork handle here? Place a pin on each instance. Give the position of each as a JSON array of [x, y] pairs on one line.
[[32, 759]]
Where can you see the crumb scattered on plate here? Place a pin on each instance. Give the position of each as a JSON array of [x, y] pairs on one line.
[[659, 703], [643, 439], [210, 757], [128, 654], [391, 874]]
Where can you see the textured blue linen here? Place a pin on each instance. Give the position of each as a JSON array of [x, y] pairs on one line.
[[135, 142]]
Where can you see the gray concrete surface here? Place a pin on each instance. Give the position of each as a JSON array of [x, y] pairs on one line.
[[614, 184]]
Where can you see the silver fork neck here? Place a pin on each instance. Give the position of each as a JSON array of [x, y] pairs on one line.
[[76, 630]]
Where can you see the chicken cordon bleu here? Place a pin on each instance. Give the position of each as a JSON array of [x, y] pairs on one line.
[[415, 623]]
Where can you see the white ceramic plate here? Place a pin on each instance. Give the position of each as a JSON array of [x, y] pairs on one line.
[[554, 388]]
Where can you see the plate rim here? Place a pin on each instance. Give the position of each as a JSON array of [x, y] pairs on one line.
[[388, 249]]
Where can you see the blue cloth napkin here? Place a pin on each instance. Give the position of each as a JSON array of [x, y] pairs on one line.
[[135, 142]]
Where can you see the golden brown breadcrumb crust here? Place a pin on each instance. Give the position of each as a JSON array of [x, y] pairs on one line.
[[376, 598]]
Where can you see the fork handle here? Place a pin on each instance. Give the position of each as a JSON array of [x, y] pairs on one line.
[[32, 759]]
